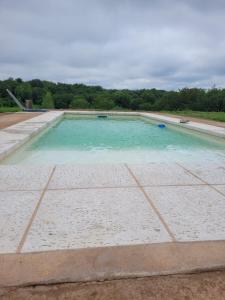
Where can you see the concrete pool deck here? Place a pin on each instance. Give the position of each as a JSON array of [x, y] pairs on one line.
[[66, 223]]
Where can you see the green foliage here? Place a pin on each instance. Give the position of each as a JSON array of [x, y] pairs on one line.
[[103, 101], [9, 109], [122, 99], [63, 100], [37, 95], [48, 101], [79, 102], [76, 96], [23, 91]]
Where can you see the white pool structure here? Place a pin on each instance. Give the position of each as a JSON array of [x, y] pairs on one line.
[[69, 215]]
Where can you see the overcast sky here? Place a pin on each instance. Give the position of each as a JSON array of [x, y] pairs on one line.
[[133, 44]]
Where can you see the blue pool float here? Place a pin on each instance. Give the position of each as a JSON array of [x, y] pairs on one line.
[[161, 125]]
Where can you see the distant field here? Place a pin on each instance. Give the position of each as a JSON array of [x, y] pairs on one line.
[[216, 116], [8, 109]]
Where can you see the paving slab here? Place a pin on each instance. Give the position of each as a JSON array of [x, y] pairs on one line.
[[27, 178], [93, 218], [192, 212], [16, 210], [220, 188], [24, 128], [162, 174], [211, 173], [87, 176], [10, 141], [46, 117]]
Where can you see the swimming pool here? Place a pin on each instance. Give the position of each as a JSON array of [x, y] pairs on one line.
[[121, 139]]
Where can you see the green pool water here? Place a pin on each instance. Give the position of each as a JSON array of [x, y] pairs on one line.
[[90, 139]]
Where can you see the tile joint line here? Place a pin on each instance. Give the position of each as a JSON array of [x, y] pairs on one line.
[[152, 204], [205, 182], [23, 239], [106, 187]]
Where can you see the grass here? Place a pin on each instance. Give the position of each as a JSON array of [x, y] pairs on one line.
[[4, 109], [216, 116]]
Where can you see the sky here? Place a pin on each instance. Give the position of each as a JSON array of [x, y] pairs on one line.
[[135, 44]]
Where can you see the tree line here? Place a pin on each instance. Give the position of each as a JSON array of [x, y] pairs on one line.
[[48, 94]]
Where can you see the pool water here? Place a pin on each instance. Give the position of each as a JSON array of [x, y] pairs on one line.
[[90, 139]]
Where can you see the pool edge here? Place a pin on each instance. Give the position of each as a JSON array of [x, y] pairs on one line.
[[15, 136], [108, 263]]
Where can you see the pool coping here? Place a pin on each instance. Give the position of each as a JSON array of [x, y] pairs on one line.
[[109, 263], [13, 137]]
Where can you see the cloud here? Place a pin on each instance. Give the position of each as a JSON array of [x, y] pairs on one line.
[[133, 44]]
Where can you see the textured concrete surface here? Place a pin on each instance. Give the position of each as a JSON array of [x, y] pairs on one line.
[[220, 188], [202, 286], [210, 172], [87, 176], [15, 211], [90, 206], [94, 218], [16, 178], [10, 141], [163, 174], [192, 212], [107, 206]]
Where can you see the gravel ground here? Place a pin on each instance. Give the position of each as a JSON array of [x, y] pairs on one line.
[[201, 286], [8, 119]]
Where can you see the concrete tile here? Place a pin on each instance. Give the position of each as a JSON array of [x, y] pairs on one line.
[[92, 218], [24, 128], [8, 137], [10, 141], [220, 188], [16, 209], [191, 212], [85, 176], [46, 117], [210, 172], [23, 178], [162, 174]]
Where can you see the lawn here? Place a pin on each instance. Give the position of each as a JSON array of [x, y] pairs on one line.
[[216, 116], [4, 109]]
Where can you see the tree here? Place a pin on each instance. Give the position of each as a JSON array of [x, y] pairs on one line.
[[215, 100], [79, 102], [134, 104], [24, 91], [48, 101], [96, 97], [122, 99], [103, 101], [63, 100], [37, 95], [36, 83]]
